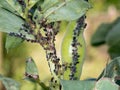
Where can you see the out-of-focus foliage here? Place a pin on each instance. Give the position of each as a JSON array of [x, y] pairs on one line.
[[108, 33], [116, 3], [9, 83], [13, 59]]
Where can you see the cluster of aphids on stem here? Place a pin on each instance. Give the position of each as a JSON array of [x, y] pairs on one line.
[[75, 45], [24, 29], [50, 48], [47, 41], [27, 27]]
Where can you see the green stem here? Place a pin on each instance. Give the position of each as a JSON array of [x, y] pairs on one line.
[[43, 86], [26, 11]]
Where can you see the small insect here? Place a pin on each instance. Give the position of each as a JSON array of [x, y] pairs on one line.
[[39, 8], [21, 2], [35, 17], [52, 79]]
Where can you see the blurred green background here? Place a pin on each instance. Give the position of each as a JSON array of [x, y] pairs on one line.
[[12, 64]]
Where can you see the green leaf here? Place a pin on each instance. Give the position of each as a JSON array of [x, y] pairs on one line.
[[114, 35], [12, 42], [9, 83], [31, 71], [113, 39], [12, 6], [113, 68], [106, 84], [48, 4], [114, 50], [67, 10], [99, 36], [77, 85], [102, 32], [107, 3], [10, 23]]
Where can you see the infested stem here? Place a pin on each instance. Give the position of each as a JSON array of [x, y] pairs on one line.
[[75, 46], [48, 43]]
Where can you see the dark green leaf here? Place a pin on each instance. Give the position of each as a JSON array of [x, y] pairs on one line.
[[31, 71], [12, 42], [106, 84], [113, 36], [77, 85], [12, 5], [9, 83], [116, 3], [11, 23], [99, 36], [114, 50], [67, 10]]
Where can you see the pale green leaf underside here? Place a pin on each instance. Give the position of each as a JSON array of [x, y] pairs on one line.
[[12, 6], [68, 10], [31, 67], [48, 4], [106, 84], [10, 23], [77, 85]]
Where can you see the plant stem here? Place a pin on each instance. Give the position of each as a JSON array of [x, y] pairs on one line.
[[48, 43], [43, 86]]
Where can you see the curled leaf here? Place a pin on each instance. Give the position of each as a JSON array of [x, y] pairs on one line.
[[31, 71]]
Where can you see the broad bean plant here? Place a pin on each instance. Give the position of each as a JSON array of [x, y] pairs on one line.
[[38, 21]]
